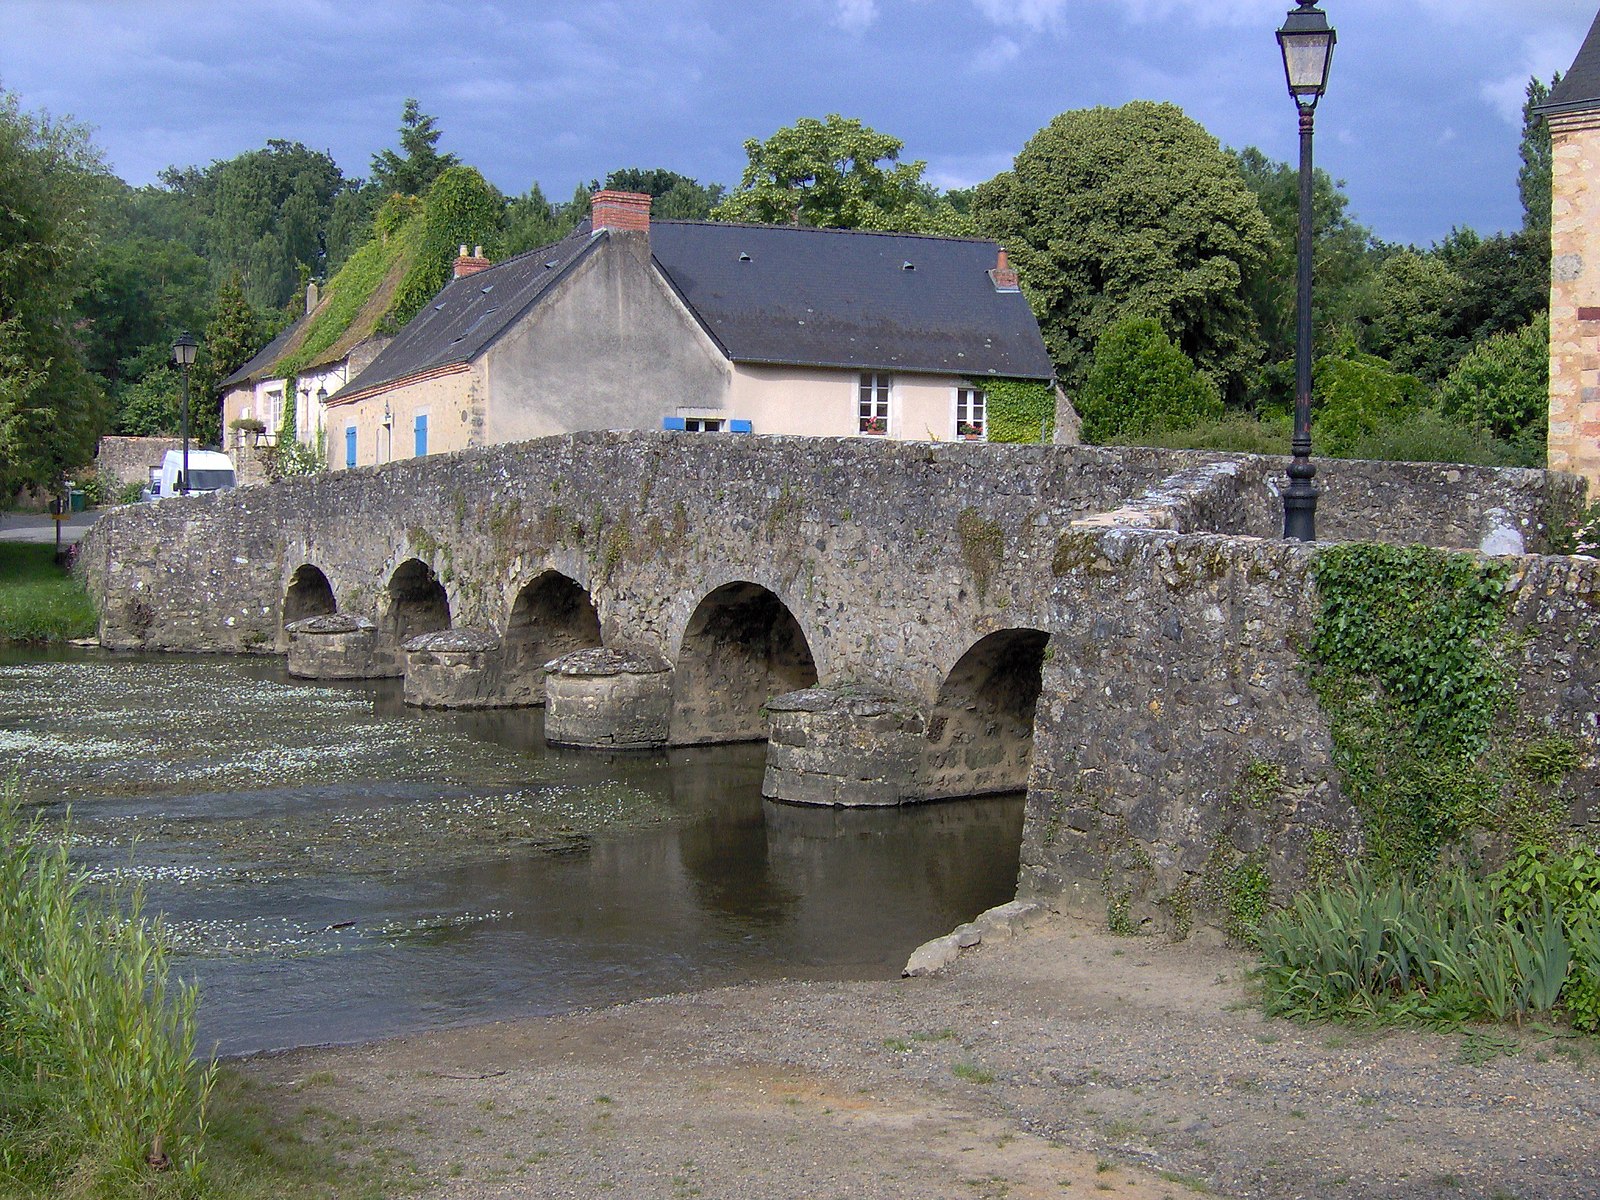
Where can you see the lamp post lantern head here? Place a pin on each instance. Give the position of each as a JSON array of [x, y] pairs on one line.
[[184, 349], [1307, 43]]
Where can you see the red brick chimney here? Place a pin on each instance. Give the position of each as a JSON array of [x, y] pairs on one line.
[[1005, 275], [471, 264], [623, 211]]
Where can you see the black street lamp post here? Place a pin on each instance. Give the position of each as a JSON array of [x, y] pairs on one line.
[[183, 352], [1307, 43]]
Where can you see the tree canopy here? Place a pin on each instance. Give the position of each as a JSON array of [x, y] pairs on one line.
[[1134, 211], [677, 197], [51, 408], [412, 172], [1534, 177], [836, 173], [261, 216], [1341, 256]]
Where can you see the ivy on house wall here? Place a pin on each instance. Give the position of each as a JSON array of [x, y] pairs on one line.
[[1411, 659], [1019, 410]]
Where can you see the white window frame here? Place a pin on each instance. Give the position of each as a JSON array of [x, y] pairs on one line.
[[874, 403], [705, 424], [967, 402]]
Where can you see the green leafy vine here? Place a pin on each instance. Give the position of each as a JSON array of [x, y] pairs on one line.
[[1411, 660], [1019, 410]]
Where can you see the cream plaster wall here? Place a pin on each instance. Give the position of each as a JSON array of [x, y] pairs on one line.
[[1575, 296], [822, 402]]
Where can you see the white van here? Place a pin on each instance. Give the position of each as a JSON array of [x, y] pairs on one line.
[[209, 471]]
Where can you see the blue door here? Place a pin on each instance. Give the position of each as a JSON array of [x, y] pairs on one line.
[[349, 445], [422, 435]]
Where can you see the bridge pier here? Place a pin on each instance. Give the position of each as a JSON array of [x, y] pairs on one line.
[[844, 747], [453, 668], [608, 700], [334, 646]]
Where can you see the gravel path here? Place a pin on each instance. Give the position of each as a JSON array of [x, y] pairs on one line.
[[1067, 1062]]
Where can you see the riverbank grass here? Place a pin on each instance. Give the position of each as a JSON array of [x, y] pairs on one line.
[[39, 601], [103, 1096]]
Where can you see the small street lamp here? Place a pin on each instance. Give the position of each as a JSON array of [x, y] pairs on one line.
[[183, 352], [1307, 43]]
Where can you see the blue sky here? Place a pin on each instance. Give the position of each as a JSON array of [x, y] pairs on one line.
[[1421, 119]]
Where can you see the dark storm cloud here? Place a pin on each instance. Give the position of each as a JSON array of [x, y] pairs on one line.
[[1422, 120]]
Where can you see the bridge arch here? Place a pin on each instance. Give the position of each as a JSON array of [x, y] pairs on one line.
[[552, 614], [413, 602], [980, 733], [308, 594], [741, 647]]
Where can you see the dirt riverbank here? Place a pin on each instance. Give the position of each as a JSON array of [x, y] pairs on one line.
[[1065, 1063]]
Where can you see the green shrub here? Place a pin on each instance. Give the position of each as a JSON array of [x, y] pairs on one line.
[[1567, 881], [129, 493], [1140, 383], [97, 1062], [1238, 433], [95, 490], [1355, 397], [1502, 386], [1428, 435], [1581, 997]]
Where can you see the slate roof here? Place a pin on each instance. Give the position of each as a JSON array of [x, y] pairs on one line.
[[1580, 87], [775, 294], [800, 296], [265, 357], [470, 313]]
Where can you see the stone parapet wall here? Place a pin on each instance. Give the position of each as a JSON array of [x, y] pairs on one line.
[[1431, 504], [1174, 675]]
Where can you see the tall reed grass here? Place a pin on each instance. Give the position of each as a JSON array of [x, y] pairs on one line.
[[1445, 949], [100, 1093]]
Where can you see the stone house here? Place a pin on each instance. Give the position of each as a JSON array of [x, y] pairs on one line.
[[709, 327], [1573, 114], [258, 391]]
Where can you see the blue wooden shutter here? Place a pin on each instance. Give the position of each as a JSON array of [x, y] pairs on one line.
[[349, 445], [422, 435], [740, 427], [672, 423]]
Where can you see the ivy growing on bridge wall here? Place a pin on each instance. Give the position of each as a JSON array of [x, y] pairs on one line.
[[1412, 661]]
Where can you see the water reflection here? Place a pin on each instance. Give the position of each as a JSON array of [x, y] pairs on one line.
[[469, 872]]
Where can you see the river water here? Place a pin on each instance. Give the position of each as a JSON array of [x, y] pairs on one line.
[[336, 867]]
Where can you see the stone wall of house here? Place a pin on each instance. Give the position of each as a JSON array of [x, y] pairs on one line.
[[1574, 439], [1172, 622]]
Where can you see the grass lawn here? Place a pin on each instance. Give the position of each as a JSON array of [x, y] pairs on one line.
[[39, 602]]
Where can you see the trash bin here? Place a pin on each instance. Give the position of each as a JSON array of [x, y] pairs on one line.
[[78, 500]]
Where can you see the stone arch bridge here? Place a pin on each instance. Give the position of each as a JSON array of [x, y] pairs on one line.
[[1113, 629]]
